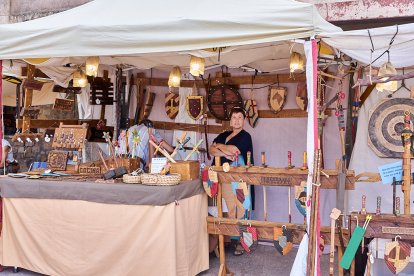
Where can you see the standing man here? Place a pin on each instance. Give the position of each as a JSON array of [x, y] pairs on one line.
[[228, 145], [144, 150]]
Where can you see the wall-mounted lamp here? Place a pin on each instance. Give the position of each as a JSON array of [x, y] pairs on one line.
[[79, 79], [175, 77], [92, 64], [386, 70], [197, 65]]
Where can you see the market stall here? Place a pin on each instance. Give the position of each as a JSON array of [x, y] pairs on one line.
[[260, 37]]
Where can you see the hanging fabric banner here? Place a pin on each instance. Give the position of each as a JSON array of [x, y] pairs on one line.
[[299, 267]]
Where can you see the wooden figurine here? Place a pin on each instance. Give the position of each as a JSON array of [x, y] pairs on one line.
[[407, 140]]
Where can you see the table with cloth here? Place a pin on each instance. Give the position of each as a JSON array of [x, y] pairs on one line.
[[68, 227]]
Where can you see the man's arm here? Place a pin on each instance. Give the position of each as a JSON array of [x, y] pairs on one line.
[[228, 151]]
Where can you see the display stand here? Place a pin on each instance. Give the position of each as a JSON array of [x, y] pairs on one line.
[[267, 176]]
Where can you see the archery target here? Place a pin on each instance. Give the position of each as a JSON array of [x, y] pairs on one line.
[[386, 122]]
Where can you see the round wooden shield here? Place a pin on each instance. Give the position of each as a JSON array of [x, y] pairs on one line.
[[221, 99], [277, 98], [386, 122], [302, 96]]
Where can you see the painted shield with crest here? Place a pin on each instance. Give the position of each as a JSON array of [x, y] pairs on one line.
[[194, 106], [302, 96], [172, 102], [277, 98]]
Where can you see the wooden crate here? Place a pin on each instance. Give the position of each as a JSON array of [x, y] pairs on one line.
[[189, 170], [131, 164]]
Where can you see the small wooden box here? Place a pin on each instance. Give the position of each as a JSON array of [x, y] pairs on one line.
[[189, 170], [131, 164]]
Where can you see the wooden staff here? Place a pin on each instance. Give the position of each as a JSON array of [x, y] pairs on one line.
[[289, 209], [406, 137], [334, 216], [265, 203], [312, 248]]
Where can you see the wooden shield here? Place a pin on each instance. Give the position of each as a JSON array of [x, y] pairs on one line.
[[194, 106], [149, 102], [397, 256], [302, 96], [221, 99], [251, 112], [172, 102], [386, 122], [277, 98]]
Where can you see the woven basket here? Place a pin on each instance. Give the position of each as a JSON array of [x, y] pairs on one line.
[[131, 179], [160, 180]]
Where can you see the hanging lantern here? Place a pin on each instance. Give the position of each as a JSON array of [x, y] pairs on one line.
[[92, 64], [197, 66], [296, 62], [79, 79], [175, 77], [387, 69]]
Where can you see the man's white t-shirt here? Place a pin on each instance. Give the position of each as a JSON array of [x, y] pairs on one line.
[[9, 157]]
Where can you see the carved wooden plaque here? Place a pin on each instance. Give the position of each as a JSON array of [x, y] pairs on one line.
[[32, 84], [63, 105], [57, 160]]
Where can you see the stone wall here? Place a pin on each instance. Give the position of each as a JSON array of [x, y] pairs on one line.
[[349, 10], [12, 11], [27, 153]]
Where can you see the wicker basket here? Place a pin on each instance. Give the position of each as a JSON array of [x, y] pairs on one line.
[[160, 180], [131, 179]]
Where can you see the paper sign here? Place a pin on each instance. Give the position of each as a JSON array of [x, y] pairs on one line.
[[389, 171], [157, 164]]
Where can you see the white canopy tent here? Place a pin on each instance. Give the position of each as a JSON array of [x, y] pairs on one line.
[[130, 28], [359, 43], [161, 34]]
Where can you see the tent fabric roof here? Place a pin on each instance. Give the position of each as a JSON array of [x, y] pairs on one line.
[[131, 27], [358, 44]]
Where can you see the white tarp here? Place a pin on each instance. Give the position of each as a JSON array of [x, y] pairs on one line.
[[130, 27], [357, 44]]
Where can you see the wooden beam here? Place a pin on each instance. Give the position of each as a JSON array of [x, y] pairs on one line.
[[385, 226], [216, 129], [28, 99], [383, 79], [230, 227], [42, 123], [268, 176], [37, 73], [288, 113], [236, 80]]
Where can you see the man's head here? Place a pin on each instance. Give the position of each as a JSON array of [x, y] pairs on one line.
[[237, 116], [147, 123]]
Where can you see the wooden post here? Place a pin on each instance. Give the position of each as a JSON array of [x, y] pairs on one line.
[[340, 269], [406, 185], [312, 247], [28, 99], [222, 271]]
